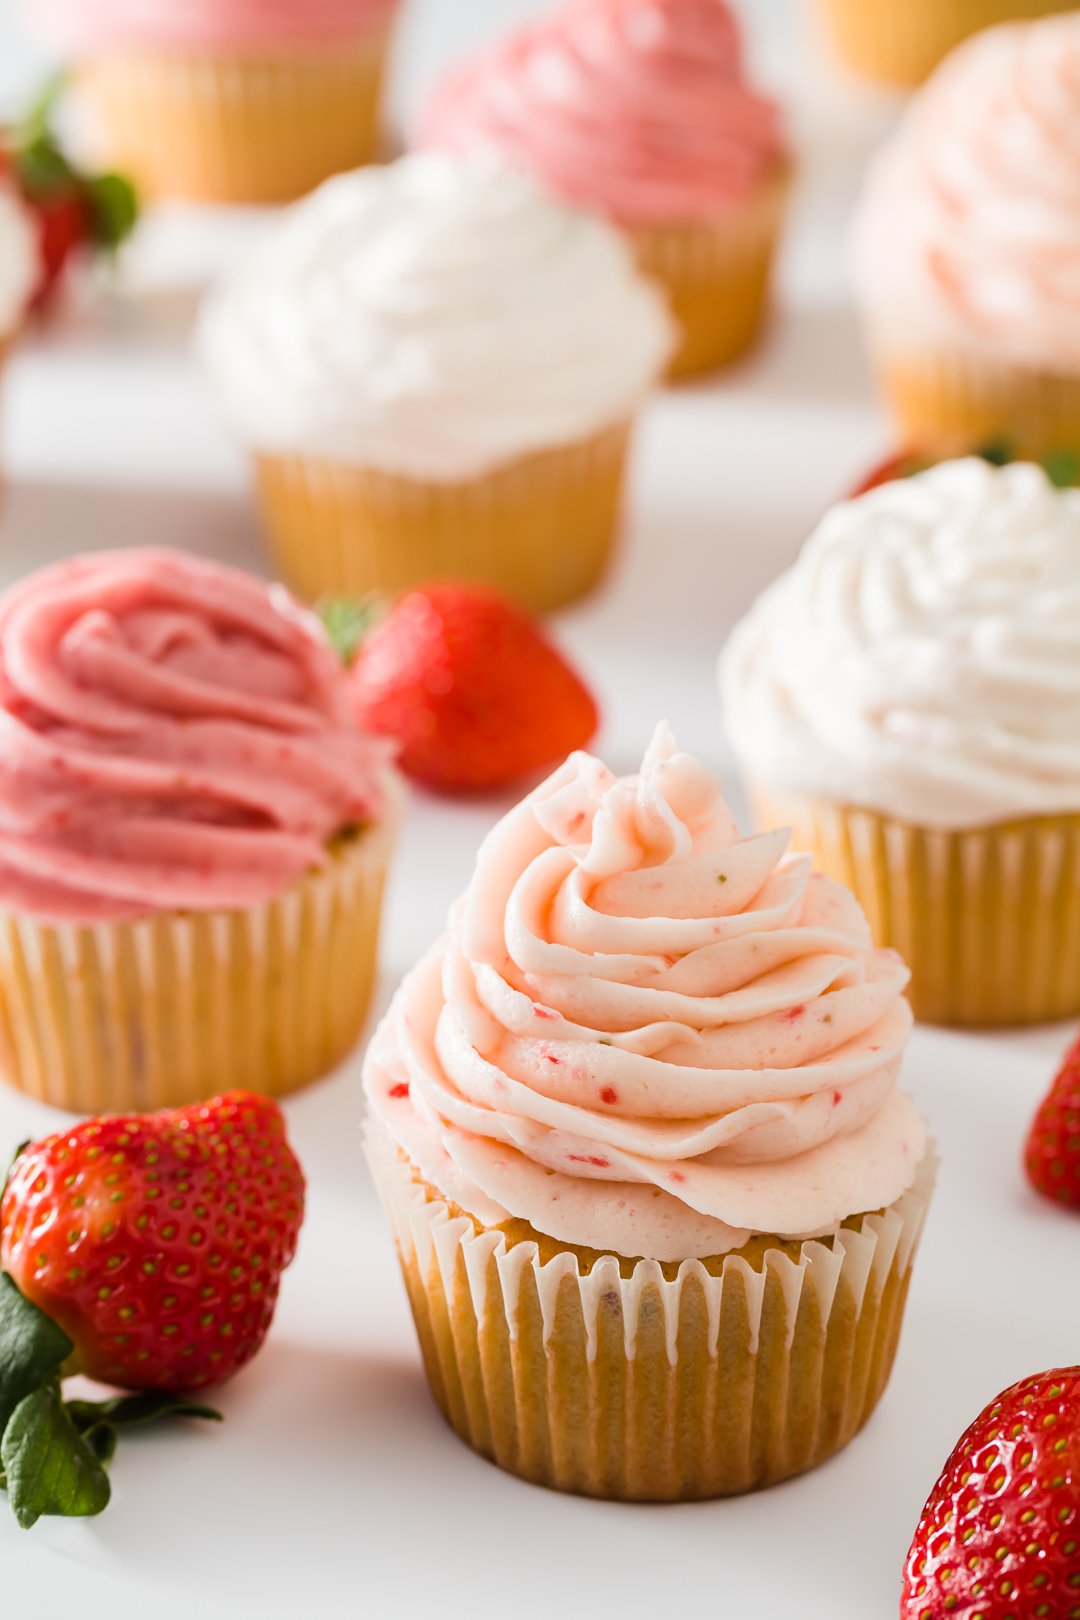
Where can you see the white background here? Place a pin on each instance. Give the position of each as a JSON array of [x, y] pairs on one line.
[[333, 1487]]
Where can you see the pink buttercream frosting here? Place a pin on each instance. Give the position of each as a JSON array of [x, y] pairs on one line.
[[645, 1034], [82, 27], [639, 108], [174, 735], [969, 226]]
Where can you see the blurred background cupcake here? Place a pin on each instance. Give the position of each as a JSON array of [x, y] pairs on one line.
[[967, 247], [636, 1124], [907, 698], [242, 101], [437, 367], [193, 839], [901, 42], [641, 110]]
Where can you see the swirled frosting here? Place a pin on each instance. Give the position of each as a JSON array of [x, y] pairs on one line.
[[435, 317], [81, 27], [969, 226], [639, 108], [644, 1034], [174, 735], [20, 261], [922, 657]]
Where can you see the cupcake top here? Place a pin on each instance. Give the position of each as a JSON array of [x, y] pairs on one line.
[[175, 736], [20, 260], [646, 1035], [77, 26], [922, 657], [435, 317], [639, 108], [969, 226]]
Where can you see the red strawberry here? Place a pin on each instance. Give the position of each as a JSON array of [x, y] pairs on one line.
[[470, 687], [900, 466], [999, 1538], [157, 1242], [1052, 1155], [64, 228]]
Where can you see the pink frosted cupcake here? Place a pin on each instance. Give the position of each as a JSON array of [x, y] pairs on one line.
[[251, 101], [640, 109], [636, 1124], [193, 836]]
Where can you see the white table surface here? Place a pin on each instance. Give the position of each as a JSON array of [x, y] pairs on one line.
[[333, 1487]]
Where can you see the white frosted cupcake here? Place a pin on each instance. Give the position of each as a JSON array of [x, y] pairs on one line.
[[636, 1123], [967, 247], [437, 368], [907, 698]]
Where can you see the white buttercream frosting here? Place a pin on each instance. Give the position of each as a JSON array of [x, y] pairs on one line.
[[645, 1034], [20, 260], [969, 227], [437, 317], [922, 657]]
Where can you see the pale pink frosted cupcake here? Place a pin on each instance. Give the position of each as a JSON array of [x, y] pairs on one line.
[[641, 110], [252, 101], [193, 836], [636, 1124]]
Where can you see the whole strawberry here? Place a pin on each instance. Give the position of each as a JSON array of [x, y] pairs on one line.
[[470, 687], [157, 1241], [999, 1538], [1052, 1154]]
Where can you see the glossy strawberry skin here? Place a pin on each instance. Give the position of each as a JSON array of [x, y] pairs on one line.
[[1052, 1154], [157, 1242], [999, 1538], [65, 229], [473, 692]]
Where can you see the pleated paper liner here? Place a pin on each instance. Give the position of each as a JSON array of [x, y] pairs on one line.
[[717, 276], [901, 42], [541, 528], [641, 1382], [171, 1010], [954, 398], [988, 919], [237, 129]]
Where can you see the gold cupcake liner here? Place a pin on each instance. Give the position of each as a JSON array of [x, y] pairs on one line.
[[237, 129], [949, 400], [172, 1009], [988, 919], [541, 528], [641, 1382], [716, 275], [901, 42]]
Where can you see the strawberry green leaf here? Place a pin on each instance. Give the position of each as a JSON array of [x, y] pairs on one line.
[[134, 1411], [37, 121], [114, 209], [50, 1468], [347, 620], [1062, 467], [101, 1438], [32, 1349]]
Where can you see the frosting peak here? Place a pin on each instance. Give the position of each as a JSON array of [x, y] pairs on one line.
[[639, 108], [969, 227], [645, 1034], [174, 735], [434, 317], [922, 656]]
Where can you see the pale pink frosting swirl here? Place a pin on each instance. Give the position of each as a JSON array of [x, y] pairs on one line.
[[645, 1034], [174, 735], [638, 108], [969, 226], [90, 27]]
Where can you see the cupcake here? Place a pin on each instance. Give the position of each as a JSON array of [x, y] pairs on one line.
[[240, 101], [437, 368], [193, 837], [635, 1123], [641, 110], [907, 699], [967, 247], [901, 42]]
